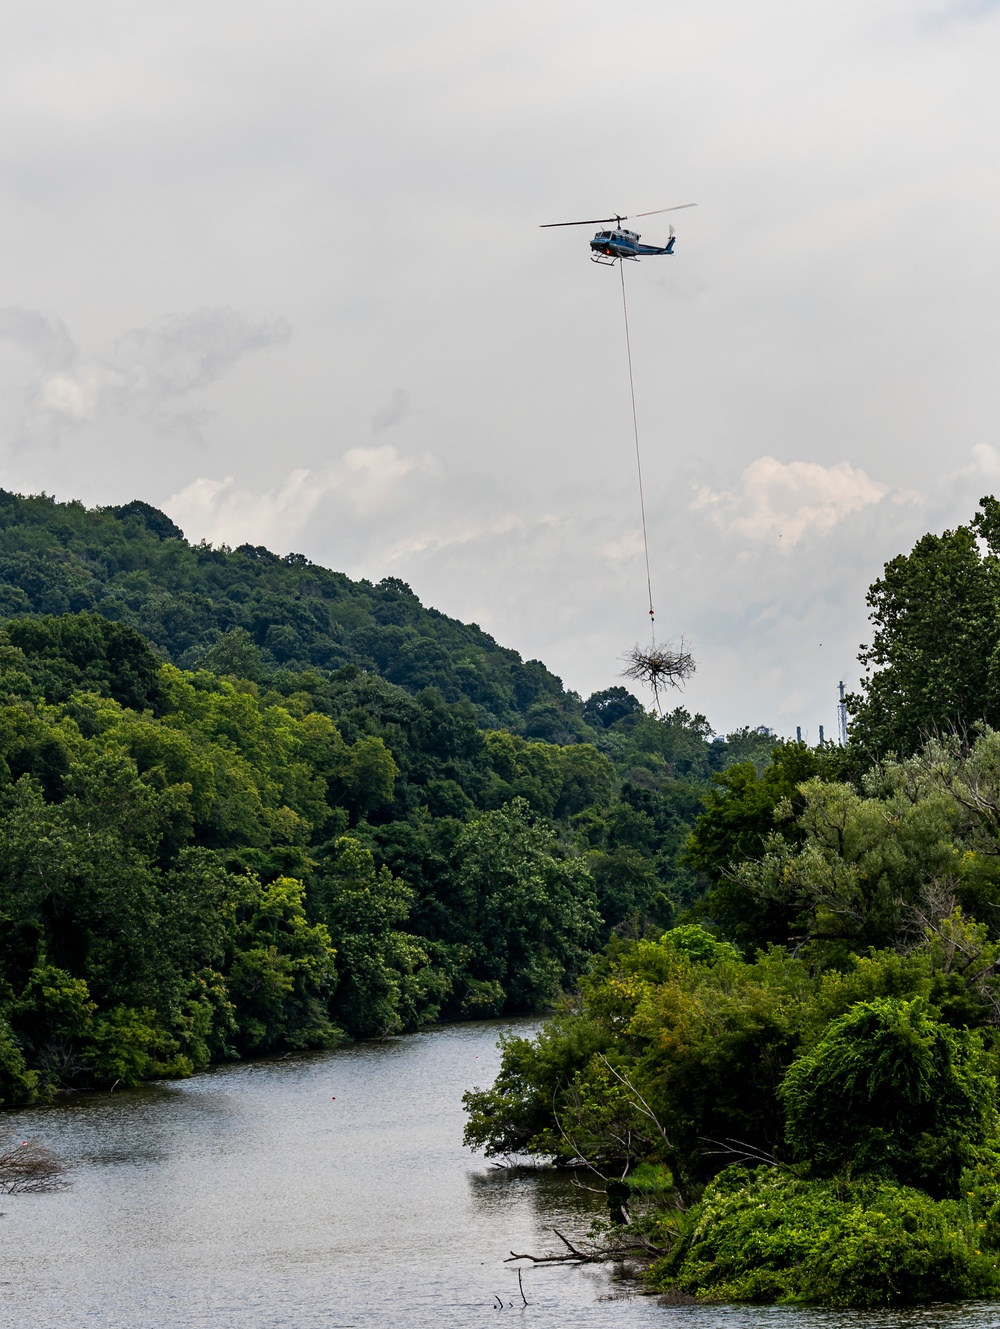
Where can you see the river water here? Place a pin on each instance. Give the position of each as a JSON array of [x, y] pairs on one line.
[[324, 1190]]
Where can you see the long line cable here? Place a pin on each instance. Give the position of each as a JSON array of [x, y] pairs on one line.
[[638, 457]]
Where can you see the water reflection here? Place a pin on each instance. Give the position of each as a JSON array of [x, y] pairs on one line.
[[569, 1196], [328, 1189]]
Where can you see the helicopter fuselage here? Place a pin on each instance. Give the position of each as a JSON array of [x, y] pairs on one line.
[[620, 243]]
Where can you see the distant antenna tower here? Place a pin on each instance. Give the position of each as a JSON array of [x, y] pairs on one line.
[[842, 717]]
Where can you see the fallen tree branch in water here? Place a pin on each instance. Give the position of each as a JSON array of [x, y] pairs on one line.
[[29, 1168], [636, 1247]]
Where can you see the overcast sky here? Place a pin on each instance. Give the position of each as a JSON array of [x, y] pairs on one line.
[[276, 268]]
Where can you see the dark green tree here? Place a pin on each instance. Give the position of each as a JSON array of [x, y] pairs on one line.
[[890, 1091], [533, 916], [936, 628], [742, 809]]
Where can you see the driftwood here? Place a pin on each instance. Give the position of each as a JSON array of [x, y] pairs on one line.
[[30, 1168], [638, 1246], [572, 1254]]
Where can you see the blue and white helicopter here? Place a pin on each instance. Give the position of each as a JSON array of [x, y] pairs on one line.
[[607, 246]]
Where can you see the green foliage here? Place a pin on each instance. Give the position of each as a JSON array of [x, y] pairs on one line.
[[864, 868], [892, 1092], [125, 1046], [852, 1037], [238, 610], [70, 1041], [86, 653], [382, 985], [742, 809], [937, 628], [176, 884], [247, 804], [18, 1084], [681, 1028], [698, 945], [765, 1236], [533, 915], [281, 972], [515, 1115], [606, 708]]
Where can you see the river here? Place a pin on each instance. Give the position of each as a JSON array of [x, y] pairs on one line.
[[329, 1190]]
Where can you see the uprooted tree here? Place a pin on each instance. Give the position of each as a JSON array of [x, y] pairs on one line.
[[659, 667]]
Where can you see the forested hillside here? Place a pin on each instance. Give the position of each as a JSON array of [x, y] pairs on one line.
[[249, 856], [793, 1095], [132, 564]]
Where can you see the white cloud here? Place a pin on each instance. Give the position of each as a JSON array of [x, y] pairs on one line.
[[985, 463], [229, 514], [145, 374], [783, 501], [566, 581], [73, 396], [359, 486]]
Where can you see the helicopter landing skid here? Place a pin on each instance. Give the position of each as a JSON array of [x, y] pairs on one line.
[[610, 263]]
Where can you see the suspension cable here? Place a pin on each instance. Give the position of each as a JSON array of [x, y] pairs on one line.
[[638, 459]]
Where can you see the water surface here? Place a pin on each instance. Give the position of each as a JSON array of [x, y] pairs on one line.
[[326, 1190]]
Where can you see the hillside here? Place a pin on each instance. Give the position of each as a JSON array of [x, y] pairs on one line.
[[132, 565], [247, 804]]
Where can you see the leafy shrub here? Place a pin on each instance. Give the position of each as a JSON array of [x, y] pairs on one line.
[[698, 945], [767, 1236], [890, 1091]]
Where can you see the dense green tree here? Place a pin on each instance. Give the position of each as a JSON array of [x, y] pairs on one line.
[[173, 860], [533, 916], [282, 972], [742, 809], [890, 1091], [18, 1084], [603, 709], [936, 629], [681, 1028], [385, 984], [84, 653]]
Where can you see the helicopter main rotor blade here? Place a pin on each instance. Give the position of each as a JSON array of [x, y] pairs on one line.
[[618, 218], [594, 221], [676, 208]]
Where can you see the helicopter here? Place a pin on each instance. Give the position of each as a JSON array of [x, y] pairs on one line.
[[608, 246]]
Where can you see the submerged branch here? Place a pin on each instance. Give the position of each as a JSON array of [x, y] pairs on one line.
[[30, 1168], [637, 1246]]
